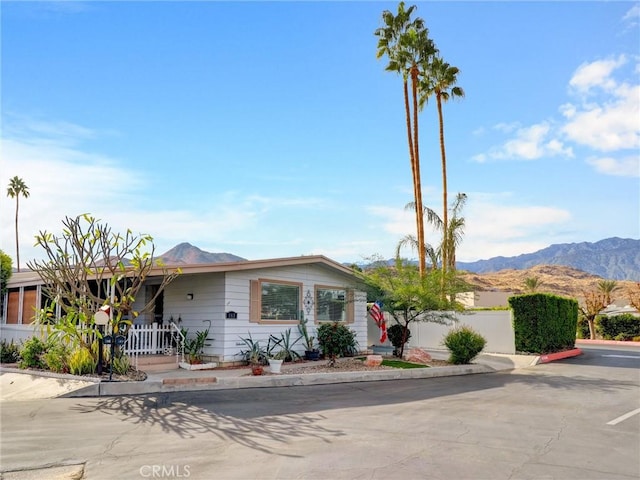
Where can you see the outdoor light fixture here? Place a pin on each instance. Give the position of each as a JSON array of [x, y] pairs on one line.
[[189, 296]]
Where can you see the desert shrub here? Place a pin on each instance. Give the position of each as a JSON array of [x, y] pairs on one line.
[[9, 352], [336, 339], [121, 364], [619, 327], [32, 352], [464, 344], [395, 333], [81, 362], [56, 358]]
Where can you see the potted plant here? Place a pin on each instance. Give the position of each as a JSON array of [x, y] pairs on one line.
[[194, 350], [285, 344], [255, 355], [194, 347], [311, 352], [275, 361]]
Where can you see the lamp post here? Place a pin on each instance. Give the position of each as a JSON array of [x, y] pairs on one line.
[[101, 318]]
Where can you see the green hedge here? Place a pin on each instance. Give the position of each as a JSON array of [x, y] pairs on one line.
[[619, 327], [544, 323]]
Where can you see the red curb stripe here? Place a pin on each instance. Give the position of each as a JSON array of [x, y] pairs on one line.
[[550, 357]]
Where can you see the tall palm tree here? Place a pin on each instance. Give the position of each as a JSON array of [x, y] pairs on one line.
[[407, 45], [16, 188], [440, 80]]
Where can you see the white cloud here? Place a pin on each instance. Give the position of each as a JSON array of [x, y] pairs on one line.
[[604, 117], [611, 125], [530, 143], [65, 180], [626, 167], [596, 75], [494, 226], [632, 17]]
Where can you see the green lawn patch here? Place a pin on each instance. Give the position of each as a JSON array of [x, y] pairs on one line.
[[402, 364], [397, 363]]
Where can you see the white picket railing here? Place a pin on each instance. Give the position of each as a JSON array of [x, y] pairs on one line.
[[152, 339]]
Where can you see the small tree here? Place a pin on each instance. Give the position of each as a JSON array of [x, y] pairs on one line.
[[634, 296], [5, 274], [411, 297], [594, 302], [90, 266]]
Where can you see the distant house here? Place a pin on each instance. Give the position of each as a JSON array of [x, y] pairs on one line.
[[233, 300], [484, 299]]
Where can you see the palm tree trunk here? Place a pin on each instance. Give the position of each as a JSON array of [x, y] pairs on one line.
[[17, 244], [445, 210], [414, 173], [418, 187]]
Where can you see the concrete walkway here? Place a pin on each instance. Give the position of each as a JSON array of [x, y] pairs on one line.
[[16, 384]]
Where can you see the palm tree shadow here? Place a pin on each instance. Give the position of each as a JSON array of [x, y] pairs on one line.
[[191, 421], [257, 417]]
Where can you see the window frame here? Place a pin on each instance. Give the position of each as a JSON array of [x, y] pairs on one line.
[[255, 302], [348, 304]]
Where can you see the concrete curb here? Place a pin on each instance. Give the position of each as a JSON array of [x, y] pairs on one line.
[[268, 381], [47, 374], [485, 363]]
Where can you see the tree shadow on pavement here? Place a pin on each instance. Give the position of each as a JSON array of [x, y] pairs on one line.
[[256, 417], [191, 421]]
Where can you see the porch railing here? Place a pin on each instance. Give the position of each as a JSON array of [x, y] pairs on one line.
[[152, 339]]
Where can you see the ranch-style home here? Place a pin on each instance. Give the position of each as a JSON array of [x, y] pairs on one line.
[[232, 300]]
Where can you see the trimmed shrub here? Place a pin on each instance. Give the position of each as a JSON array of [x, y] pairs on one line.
[[395, 333], [464, 344], [56, 358], [544, 323], [336, 339], [81, 362], [32, 352], [9, 352], [619, 327]]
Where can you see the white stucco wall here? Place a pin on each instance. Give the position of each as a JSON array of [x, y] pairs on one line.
[[496, 326]]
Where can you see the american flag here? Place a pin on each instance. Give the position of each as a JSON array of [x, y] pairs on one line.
[[378, 316]]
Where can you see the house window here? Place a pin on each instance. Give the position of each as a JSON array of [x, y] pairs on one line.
[[21, 306], [333, 304], [275, 301]]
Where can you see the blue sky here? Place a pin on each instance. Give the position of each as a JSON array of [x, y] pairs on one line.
[[271, 130]]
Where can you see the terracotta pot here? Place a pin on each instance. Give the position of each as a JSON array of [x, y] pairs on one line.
[[257, 369]]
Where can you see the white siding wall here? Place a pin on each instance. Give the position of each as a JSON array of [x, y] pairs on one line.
[[207, 306], [237, 300], [20, 333]]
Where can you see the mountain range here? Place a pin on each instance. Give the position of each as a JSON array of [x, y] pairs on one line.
[[562, 269], [186, 254], [612, 258]]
